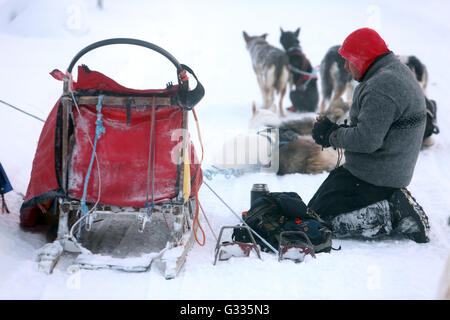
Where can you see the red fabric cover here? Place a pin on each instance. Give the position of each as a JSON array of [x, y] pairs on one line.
[[96, 80], [43, 175], [362, 47], [123, 153]]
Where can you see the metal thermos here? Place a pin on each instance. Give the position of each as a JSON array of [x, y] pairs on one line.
[[258, 190]]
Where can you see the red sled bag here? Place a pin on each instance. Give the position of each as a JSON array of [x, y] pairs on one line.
[[63, 165]]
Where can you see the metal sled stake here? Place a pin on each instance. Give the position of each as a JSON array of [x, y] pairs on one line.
[[294, 251], [228, 248]]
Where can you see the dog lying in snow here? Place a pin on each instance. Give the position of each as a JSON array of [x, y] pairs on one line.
[[252, 148], [271, 145], [297, 151]]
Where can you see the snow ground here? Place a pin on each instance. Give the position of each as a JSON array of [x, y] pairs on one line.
[[39, 36]]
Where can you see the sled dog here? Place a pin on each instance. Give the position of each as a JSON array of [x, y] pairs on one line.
[[338, 110], [418, 68], [271, 68], [297, 153], [254, 147], [263, 118], [303, 93], [335, 80]]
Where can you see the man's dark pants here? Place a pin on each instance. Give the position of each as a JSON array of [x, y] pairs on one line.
[[341, 192]]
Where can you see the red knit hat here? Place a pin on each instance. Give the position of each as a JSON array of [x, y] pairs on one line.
[[361, 47]]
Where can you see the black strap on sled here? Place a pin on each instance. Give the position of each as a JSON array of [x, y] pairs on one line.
[[187, 99]]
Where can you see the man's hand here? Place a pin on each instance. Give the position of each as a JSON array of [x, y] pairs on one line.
[[322, 130]]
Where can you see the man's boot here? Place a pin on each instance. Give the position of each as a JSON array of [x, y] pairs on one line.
[[408, 217]]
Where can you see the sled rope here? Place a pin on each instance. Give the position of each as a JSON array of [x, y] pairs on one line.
[[207, 221], [99, 181], [197, 202], [99, 130], [20, 110], [94, 152]]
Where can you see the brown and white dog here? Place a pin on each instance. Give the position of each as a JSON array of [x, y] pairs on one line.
[[271, 66], [277, 146], [297, 151]]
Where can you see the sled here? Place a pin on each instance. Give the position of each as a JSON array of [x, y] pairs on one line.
[[225, 250], [115, 167]]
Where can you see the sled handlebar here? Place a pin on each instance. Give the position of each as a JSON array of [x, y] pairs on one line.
[[130, 41], [188, 98]]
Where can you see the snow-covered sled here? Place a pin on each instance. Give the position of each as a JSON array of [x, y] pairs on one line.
[[115, 168]]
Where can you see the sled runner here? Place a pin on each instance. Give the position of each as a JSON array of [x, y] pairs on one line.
[[115, 167]]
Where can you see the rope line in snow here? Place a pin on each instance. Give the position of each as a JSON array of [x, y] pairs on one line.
[[20, 110]]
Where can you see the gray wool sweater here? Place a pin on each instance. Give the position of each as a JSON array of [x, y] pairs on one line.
[[387, 123]]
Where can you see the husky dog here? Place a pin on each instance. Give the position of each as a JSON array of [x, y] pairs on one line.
[[338, 110], [431, 123], [252, 148], [298, 153], [421, 73], [335, 80], [271, 67], [418, 68], [262, 118], [305, 156], [305, 95]]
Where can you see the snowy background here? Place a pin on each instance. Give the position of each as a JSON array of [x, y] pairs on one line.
[[41, 35]]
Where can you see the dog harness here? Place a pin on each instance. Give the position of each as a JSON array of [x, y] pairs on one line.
[[304, 77]]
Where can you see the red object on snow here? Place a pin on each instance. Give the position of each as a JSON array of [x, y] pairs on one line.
[[122, 151], [362, 47]]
